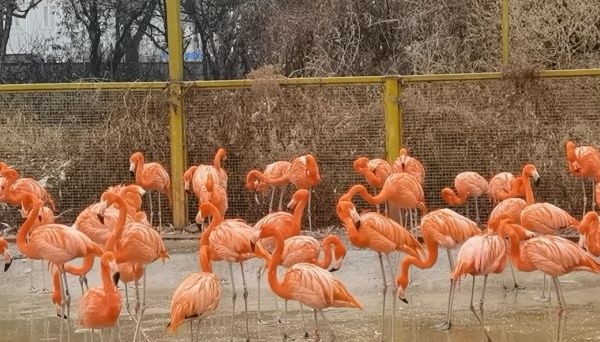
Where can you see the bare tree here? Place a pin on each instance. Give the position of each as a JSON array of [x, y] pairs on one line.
[[10, 9]]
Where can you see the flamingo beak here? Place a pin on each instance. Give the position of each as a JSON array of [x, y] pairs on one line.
[[7, 260], [333, 269], [252, 246], [256, 198], [401, 295], [536, 177], [116, 278], [291, 205], [132, 167]]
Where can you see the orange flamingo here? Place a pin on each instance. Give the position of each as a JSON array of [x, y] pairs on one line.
[[521, 186], [467, 184], [304, 174], [196, 175], [479, 255], [13, 186], [278, 177], [4, 251], [589, 229], [230, 242], [289, 225], [376, 171], [442, 227], [500, 185], [410, 165], [53, 242], [302, 248], [307, 283], [151, 177], [553, 255], [401, 190], [198, 294], [584, 162], [379, 233], [134, 242], [209, 187], [100, 306]]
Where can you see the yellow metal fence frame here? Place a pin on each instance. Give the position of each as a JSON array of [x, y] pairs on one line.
[[392, 88]]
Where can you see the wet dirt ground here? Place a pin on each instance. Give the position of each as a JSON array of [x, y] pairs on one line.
[[509, 316]]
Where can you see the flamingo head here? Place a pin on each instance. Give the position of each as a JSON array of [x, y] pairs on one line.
[[339, 252], [401, 294], [187, 177], [529, 170], [134, 160], [109, 260], [312, 170], [345, 210], [6, 253], [301, 195], [360, 163]]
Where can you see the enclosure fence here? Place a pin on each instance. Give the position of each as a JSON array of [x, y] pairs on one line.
[[77, 137]]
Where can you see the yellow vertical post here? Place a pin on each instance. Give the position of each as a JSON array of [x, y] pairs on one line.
[[505, 32], [176, 115], [393, 118]]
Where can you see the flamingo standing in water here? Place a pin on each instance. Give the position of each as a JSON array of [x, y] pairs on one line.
[[99, 307], [53, 242], [381, 234], [198, 294], [152, 177], [288, 224], [467, 184], [135, 243], [442, 227], [277, 176], [4, 251], [376, 172], [401, 190], [230, 242], [553, 255], [584, 162], [479, 255], [307, 283], [302, 248]]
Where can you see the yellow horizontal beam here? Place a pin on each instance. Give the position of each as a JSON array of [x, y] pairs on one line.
[[285, 81], [81, 86]]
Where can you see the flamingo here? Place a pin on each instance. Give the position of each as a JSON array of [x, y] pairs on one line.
[[230, 242], [584, 162], [4, 251], [467, 184], [304, 174], [307, 283], [13, 185], [209, 185], [134, 242], [53, 242], [479, 255], [407, 164], [100, 306], [278, 175], [500, 185], [521, 186], [589, 238], [379, 233], [376, 171], [198, 294], [289, 225], [151, 177], [553, 255], [302, 248], [442, 227], [195, 176], [400, 189]]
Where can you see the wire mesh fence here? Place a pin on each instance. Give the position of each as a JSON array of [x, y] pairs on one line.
[[79, 142]]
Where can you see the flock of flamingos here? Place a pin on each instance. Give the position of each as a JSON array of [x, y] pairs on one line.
[[120, 234]]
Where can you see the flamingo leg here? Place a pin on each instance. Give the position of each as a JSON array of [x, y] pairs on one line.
[[317, 333], [593, 195], [31, 288], [191, 330], [472, 307], [542, 297], [44, 289], [143, 308], [198, 328], [232, 298], [258, 276], [245, 301], [393, 275], [271, 202], [285, 335], [281, 193], [384, 291], [150, 204], [159, 214], [448, 324], [559, 294], [83, 281], [329, 324], [308, 209], [306, 335], [477, 209], [67, 296], [584, 196]]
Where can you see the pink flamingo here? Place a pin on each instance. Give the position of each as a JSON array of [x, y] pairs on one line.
[[278, 177], [467, 184], [376, 172], [584, 162], [4, 251]]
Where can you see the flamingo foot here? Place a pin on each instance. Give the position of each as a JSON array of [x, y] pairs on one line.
[[444, 326]]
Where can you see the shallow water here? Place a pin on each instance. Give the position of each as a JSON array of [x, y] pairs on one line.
[[508, 316]]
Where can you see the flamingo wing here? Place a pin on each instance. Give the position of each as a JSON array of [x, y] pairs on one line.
[[197, 295]]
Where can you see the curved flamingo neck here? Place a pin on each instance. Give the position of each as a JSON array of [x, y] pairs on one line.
[[219, 158], [432, 256], [107, 282], [276, 286], [119, 226], [283, 178], [370, 176], [327, 252], [298, 211], [528, 191], [204, 255], [357, 239], [215, 220], [25, 247], [139, 166], [571, 156], [86, 266]]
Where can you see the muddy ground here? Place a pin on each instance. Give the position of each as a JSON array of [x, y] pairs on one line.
[[509, 316]]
